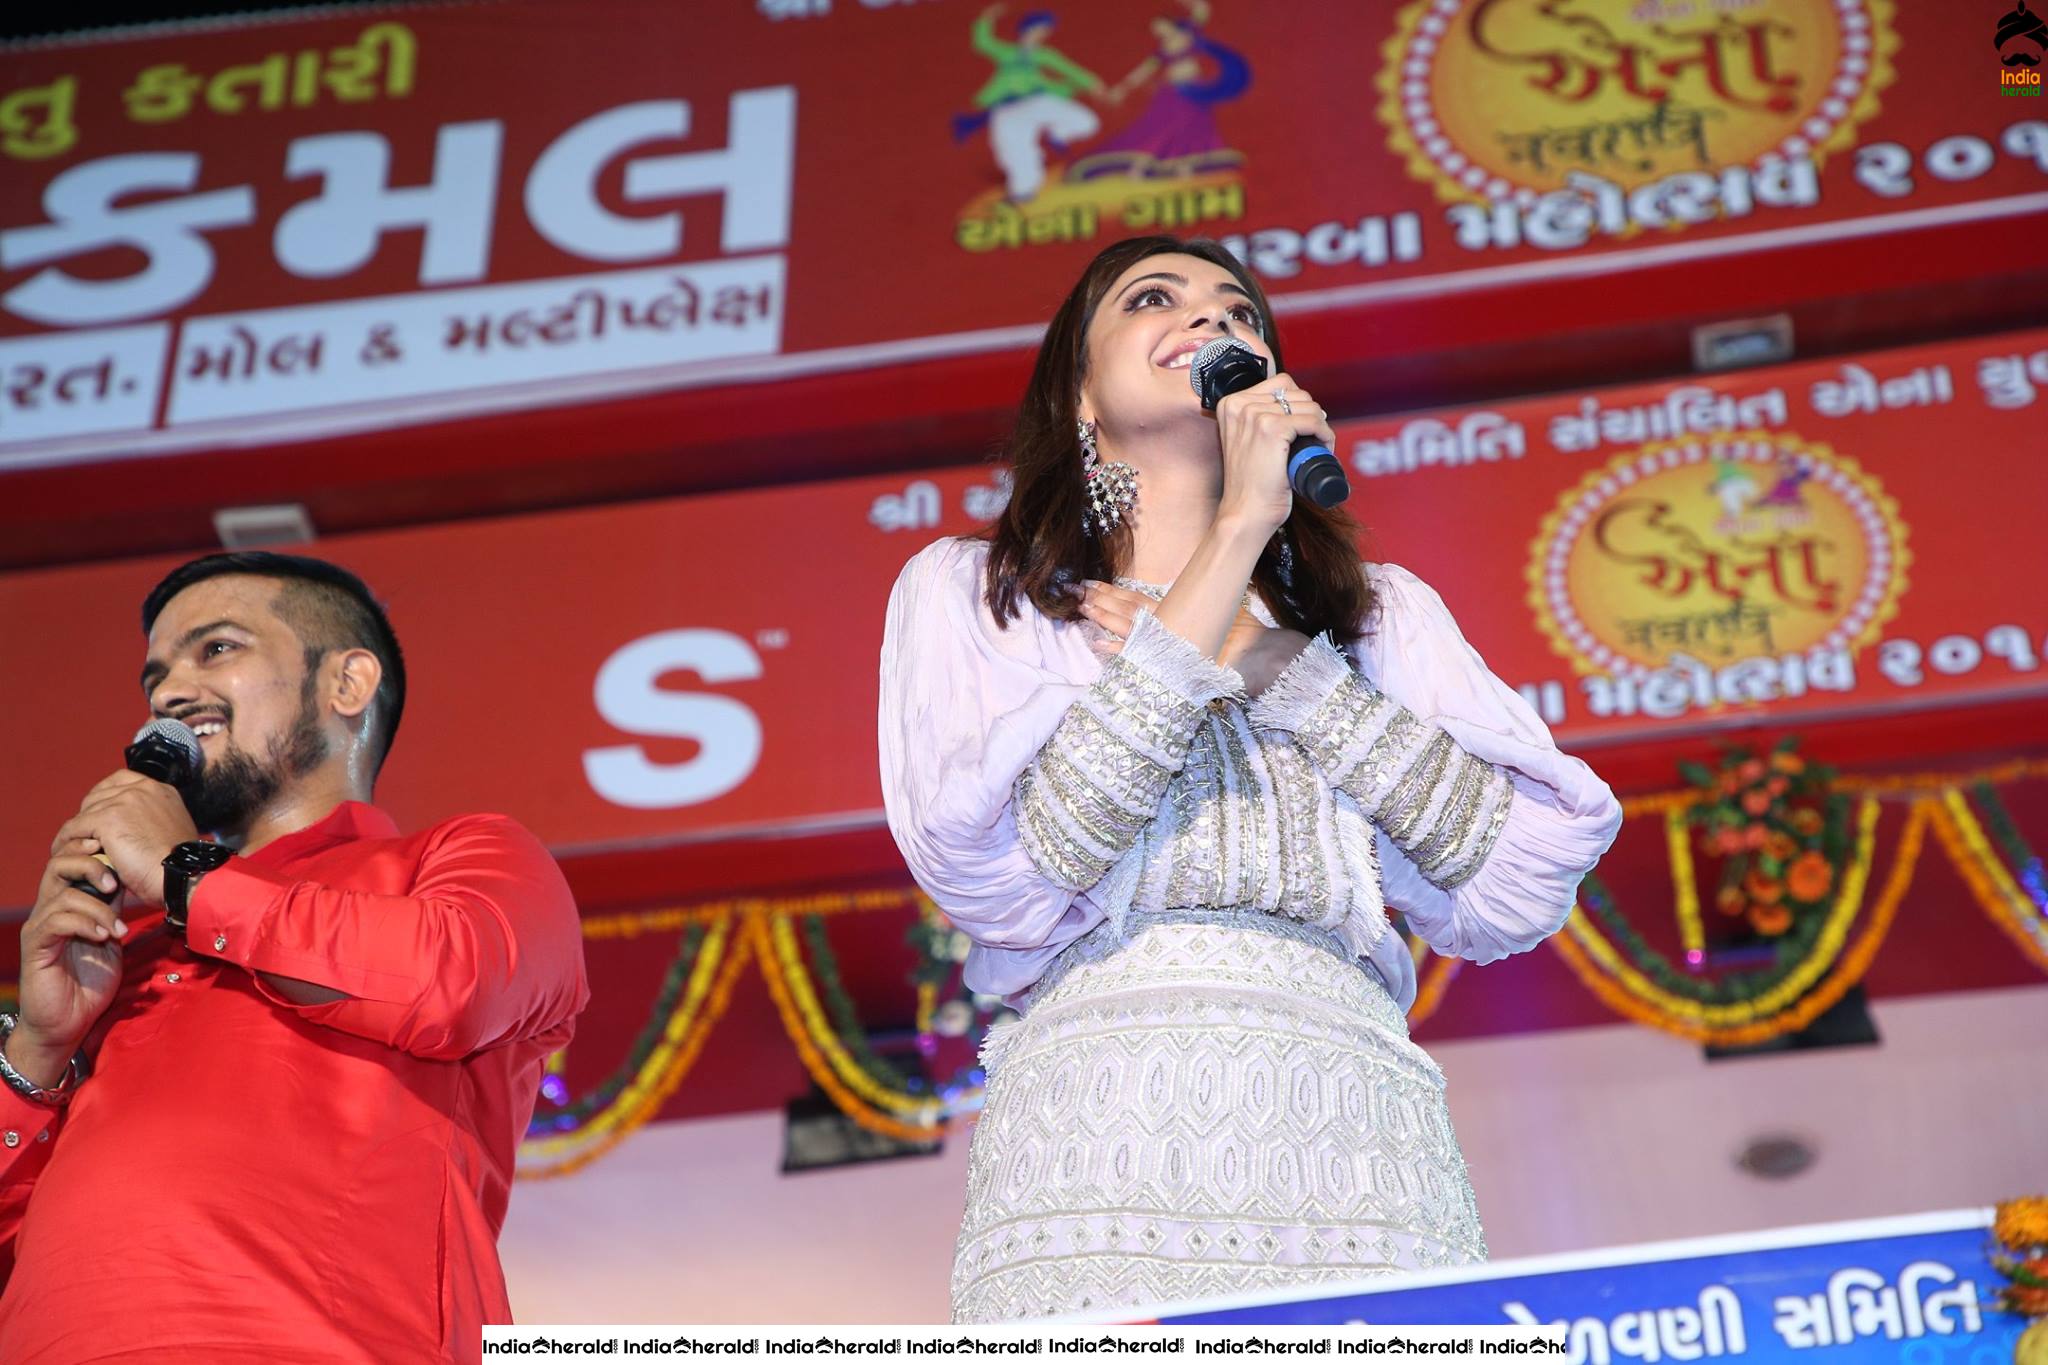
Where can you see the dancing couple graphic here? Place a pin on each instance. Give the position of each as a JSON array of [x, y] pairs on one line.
[[1029, 104]]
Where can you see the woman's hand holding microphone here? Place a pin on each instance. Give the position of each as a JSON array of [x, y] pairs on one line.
[[1257, 426]]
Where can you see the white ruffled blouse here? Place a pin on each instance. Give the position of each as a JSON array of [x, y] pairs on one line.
[[1036, 789]]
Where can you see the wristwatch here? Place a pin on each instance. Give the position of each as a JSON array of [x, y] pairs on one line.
[[187, 863]]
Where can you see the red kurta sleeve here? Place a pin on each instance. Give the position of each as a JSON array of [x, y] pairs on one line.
[[486, 948], [27, 1133]]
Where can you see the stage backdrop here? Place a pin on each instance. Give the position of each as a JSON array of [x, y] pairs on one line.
[[1835, 539], [255, 234]]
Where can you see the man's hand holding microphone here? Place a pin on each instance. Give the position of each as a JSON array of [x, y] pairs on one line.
[[71, 945]]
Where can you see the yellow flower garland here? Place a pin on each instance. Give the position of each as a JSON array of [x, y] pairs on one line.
[[786, 960], [704, 1003], [681, 1021], [821, 1070], [634, 923], [2012, 770], [1827, 945], [764, 936], [1687, 1018], [1692, 936], [1985, 874]]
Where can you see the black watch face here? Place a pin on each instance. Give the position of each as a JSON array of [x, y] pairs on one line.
[[199, 857]]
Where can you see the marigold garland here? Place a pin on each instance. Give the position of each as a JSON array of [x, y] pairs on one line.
[[759, 931], [852, 1035], [634, 923], [1895, 784], [1430, 992], [656, 1082], [1672, 1015], [682, 1021], [1794, 951], [814, 1059], [2026, 863], [1997, 894], [788, 979], [1782, 990], [666, 1005], [1692, 935]]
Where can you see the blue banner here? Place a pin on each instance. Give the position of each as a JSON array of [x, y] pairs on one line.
[[1914, 1290]]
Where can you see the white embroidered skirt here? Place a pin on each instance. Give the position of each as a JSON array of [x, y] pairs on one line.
[[1207, 1108]]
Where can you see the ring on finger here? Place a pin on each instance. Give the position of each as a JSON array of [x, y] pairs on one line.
[[1280, 397]]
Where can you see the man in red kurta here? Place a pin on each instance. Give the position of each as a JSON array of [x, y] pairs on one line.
[[265, 1106]]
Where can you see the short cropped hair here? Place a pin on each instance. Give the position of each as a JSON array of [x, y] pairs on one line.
[[326, 606]]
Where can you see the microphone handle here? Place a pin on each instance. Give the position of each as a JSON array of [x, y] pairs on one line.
[[103, 897], [158, 761], [1315, 472]]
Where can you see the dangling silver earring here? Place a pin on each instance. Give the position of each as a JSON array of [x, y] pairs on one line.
[[1283, 558], [1112, 486]]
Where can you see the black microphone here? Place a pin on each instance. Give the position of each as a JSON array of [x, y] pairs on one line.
[[1225, 366], [165, 751]]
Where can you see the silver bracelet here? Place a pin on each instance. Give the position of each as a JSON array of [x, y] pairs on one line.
[[50, 1097]]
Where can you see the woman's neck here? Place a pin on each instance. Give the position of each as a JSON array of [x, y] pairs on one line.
[[1177, 502]]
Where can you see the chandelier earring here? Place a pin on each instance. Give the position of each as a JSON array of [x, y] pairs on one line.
[[1112, 486], [1283, 556]]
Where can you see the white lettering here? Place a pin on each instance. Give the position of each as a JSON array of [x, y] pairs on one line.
[[84, 218], [338, 232], [628, 696], [754, 171]]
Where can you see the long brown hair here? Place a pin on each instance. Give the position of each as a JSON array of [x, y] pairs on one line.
[[1037, 548]]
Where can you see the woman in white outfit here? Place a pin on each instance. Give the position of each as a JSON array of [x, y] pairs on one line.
[[1165, 750]]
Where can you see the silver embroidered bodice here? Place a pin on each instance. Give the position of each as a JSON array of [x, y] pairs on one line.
[[1247, 822], [1164, 789]]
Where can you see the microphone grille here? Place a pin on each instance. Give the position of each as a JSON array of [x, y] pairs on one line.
[[173, 732], [1212, 352]]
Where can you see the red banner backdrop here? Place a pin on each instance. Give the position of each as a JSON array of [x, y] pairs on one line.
[[290, 228], [1816, 540], [1798, 545]]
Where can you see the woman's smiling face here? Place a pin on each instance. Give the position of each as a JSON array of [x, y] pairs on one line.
[[1145, 332]]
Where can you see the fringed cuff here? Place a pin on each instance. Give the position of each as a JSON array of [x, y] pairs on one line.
[[1438, 804], [1165, 660], [1097, 781], [1303, 686]]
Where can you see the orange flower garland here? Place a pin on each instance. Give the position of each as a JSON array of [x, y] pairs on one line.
[[1989, 882], [1641, 1001], [783, 991], [1936, 801], [1809, 876], [2022, 1224], [635, 1110]]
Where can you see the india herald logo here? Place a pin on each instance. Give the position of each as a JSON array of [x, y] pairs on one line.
[[2021, 39], [2025, 33]]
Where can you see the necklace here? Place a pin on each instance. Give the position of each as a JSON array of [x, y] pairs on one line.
[[1155, 591]]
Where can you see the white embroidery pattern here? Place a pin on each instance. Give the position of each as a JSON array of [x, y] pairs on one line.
[[1219, 1102]]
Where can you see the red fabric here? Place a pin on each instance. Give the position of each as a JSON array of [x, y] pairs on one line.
[[243, 1178]]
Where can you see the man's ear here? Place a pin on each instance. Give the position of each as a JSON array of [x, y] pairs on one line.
[[357, 675]]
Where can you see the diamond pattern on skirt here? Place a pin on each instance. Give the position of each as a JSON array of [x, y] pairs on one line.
[[1207, 1109]]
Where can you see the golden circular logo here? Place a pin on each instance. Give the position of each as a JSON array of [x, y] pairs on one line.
[[1507, 100], [1717, 549]]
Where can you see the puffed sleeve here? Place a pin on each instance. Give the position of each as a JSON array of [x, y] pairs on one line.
[[1484, 827], [1019, 771]]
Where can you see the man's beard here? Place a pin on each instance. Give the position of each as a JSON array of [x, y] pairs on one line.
[[229, 790]]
